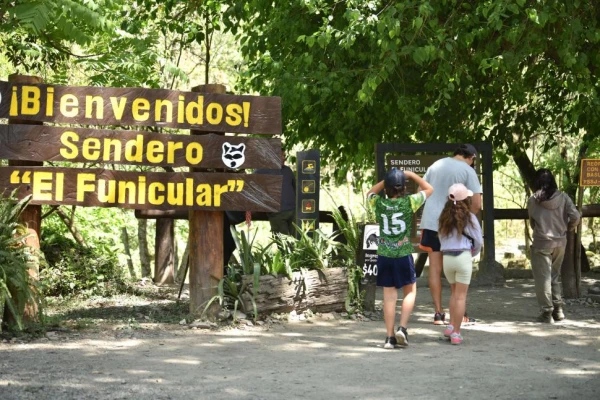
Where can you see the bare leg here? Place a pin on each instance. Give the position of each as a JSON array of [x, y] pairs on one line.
[[451, 305], [435, 279], [410, 294], [458, 302], [390, 296]]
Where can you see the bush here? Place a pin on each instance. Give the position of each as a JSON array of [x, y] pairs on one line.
[[16, 287], [71, 268]]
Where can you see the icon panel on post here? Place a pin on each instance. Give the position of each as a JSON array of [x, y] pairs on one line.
[[308, 206], [308, 186], [309, 166]]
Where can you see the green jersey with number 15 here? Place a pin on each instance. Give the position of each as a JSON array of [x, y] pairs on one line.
[[395, 217]]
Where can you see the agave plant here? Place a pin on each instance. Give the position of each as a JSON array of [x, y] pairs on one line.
[[15, 257], [349, 228], [229, 293], [314, 250]]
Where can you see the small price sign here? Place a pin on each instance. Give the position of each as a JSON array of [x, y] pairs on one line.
[[368, 252]]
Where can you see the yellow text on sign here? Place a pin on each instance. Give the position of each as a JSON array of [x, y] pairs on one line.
[[134, 150], [49, 186], [27, 100]]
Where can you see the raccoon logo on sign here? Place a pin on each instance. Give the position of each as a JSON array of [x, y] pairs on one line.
[[371, 237], [233, 156]]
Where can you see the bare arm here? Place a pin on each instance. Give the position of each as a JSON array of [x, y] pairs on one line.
[[423, 184], [476, 203], [375, 189]]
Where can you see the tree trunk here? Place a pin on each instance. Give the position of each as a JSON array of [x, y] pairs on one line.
[[144, 253], [164, 258], [585, 262], [567, 273], [125, 239], [182, 270], [69, 222], [526, 168]]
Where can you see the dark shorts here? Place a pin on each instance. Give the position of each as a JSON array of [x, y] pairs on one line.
[[395, 272], [429, 241]]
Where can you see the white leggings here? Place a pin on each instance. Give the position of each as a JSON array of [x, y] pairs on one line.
[[458, 268]]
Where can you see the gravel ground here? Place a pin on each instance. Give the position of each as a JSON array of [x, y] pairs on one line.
[[504, 356]]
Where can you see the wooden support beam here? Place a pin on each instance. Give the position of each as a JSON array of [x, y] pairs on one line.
[[590, 210], [324, 216], [32, 215], [206, 244]]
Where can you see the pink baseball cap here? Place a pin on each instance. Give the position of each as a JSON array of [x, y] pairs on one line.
[[459, 192]]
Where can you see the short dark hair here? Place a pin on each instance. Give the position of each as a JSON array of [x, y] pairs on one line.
[[466, 150]]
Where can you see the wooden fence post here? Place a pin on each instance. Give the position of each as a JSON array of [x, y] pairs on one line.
[[32, 215], [206, 243]]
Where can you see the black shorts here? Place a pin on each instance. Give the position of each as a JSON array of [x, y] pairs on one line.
[[396, 272], [429, 241]]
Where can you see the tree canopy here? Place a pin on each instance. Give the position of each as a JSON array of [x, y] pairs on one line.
[[356, 73]]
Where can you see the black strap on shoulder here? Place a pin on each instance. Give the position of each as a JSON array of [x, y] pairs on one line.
[[470, 238]]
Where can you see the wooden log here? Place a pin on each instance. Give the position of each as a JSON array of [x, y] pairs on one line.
[[318, 291]]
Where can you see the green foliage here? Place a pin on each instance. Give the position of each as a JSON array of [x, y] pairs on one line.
[[314, 250], [350, 229], [37, 34], [16, 287], [230, 293], [75, 269], [356, 73]]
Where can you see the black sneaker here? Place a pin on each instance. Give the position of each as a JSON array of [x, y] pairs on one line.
[[558, 313], [468, 320], [390, 342], [439, 318], [402, 336], [545, 317]]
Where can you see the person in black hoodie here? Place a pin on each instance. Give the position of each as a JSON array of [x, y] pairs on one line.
[[551, 214]]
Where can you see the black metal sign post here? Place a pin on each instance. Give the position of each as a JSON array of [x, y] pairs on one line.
[[308, 186]]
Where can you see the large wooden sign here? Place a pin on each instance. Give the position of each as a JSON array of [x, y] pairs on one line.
[[87, 105], [590, 172], [47, 143], [144, 190]]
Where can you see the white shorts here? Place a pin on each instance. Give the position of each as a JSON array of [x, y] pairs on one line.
[[458, 268]]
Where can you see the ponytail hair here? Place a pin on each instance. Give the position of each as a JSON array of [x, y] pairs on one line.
[[455, 215]]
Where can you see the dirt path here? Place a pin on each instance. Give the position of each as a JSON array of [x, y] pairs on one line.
[[504, 356]]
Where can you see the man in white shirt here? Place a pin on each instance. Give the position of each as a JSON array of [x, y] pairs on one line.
[[441, 175]]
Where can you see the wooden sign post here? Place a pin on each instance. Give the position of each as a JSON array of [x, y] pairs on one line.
[[31, 216], [205, 244]]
